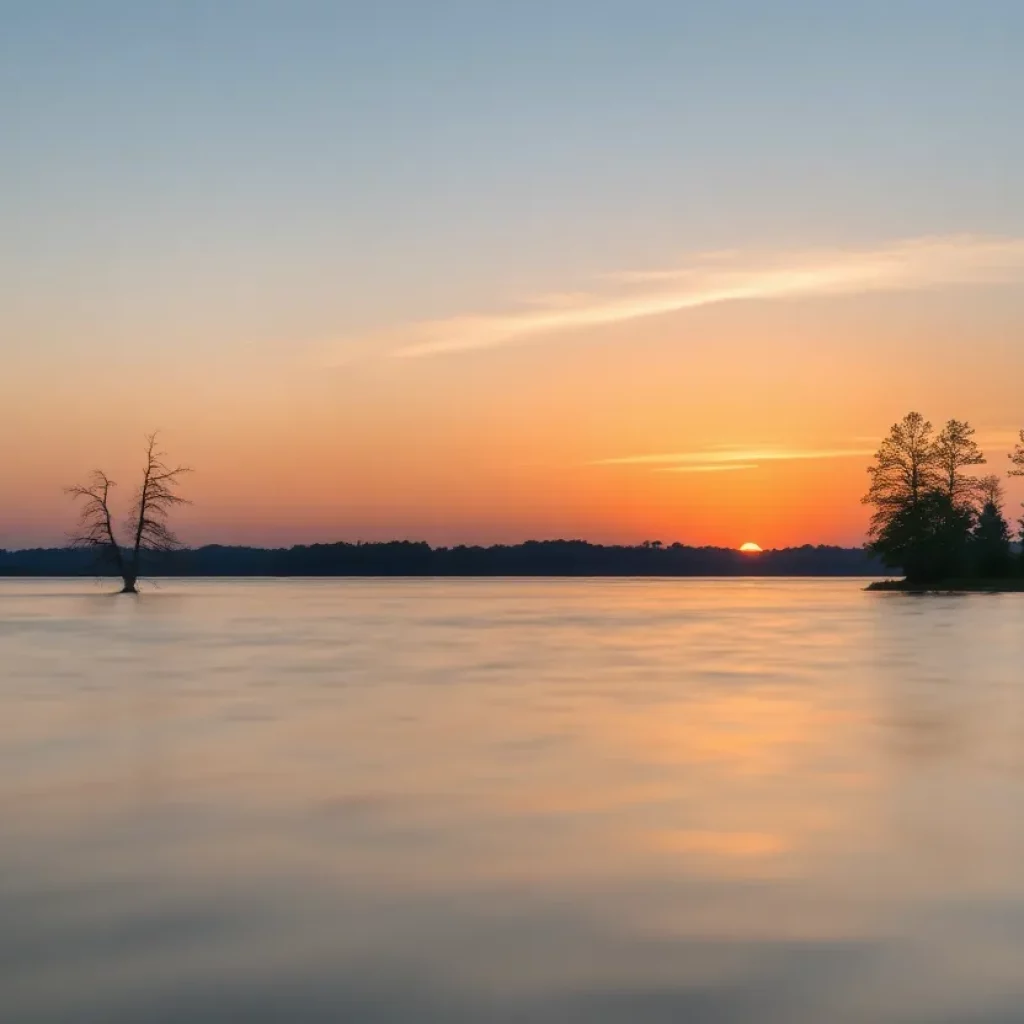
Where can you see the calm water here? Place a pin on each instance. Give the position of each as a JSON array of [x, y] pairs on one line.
[[514, 801]]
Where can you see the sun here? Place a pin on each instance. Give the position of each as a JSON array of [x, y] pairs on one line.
[[750, 548]]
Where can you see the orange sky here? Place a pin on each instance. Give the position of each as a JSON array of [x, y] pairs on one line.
[[741, 421]]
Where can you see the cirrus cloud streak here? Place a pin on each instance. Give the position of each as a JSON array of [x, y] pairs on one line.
[[725, 458], [714, 278]]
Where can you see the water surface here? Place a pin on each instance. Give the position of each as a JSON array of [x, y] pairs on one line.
[[497, 801]]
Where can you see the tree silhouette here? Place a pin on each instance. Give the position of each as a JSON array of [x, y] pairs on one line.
[[990, 543], [905, 468], [924, 502], [95, 521], [990, 489], [154, 501], [926, 538], [955, 450], [1017, 457]]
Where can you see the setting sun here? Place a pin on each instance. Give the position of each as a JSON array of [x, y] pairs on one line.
[[751, 548]]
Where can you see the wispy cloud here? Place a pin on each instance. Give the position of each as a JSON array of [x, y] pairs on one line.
[[713, 278], [724, 453], [727, 467], [724, 458]]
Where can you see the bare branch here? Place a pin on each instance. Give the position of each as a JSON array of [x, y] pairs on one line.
[[990, 490], [155, 500], [95, 522]]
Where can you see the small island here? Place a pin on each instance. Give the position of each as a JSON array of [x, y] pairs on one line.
[[942, 527], [952, 586]]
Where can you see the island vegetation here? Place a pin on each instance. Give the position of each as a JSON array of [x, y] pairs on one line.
[[933, 518]]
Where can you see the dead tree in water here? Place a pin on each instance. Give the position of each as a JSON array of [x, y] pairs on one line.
[[154, 502]]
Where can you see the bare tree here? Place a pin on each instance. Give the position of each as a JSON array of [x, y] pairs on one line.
[[96, 523], [955, 451], [905, 469], [155, 499]]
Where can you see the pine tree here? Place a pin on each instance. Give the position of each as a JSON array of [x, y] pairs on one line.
[[990, 543], [1017, 458], [1020, 542], [928, 539]]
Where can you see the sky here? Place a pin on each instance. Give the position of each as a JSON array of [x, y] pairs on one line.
[[504, 269]]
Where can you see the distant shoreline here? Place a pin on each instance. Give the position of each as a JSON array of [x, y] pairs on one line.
[[853, 578], [416, 558]]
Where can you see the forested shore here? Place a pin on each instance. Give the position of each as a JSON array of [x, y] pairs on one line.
[[411, 558]]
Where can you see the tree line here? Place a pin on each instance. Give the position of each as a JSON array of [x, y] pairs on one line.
[[145, 542], [417, 558], [933, 518]]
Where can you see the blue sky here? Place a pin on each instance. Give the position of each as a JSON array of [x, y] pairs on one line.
[[493, 139]]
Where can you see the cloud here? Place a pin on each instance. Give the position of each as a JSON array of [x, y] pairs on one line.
[[724, 458], [725, 468], [726, 453], [719, 277]]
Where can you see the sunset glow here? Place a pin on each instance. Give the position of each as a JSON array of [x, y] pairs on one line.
[[750, 548], [435, 313]]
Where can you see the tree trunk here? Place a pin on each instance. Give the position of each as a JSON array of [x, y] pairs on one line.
[[129, 585]]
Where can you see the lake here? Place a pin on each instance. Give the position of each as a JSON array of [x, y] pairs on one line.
[[510, 801]]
